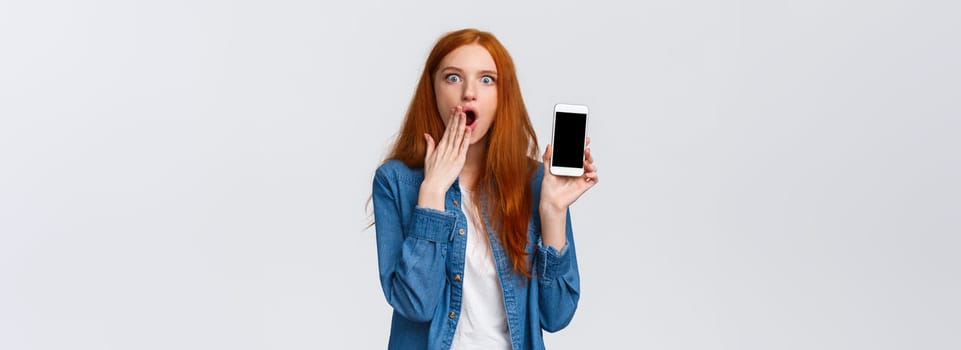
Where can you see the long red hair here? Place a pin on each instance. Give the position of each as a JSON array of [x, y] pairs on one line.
[[511, 143]]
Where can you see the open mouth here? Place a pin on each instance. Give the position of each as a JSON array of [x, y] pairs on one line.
[[471, 117]]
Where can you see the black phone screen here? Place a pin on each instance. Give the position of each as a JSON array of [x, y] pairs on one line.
[[569, 132]]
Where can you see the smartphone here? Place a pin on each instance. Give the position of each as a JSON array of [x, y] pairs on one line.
[[569, 139]]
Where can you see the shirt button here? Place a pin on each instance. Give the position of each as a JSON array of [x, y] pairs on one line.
[[452, 315], [456, 203], [460, 232], [457, 277]]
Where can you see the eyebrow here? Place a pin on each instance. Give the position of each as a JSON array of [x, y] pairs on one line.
[[486, 71]]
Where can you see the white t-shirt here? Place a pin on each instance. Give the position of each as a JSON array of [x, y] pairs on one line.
[[483, 319]]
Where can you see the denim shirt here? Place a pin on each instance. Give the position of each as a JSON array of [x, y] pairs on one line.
[[421, 254]]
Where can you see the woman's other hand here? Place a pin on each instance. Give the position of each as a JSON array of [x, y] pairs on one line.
[[559, 192]]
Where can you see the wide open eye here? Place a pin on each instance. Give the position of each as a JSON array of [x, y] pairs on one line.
[[452, 78], [487, 79]]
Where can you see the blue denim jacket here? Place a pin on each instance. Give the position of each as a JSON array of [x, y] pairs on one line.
[[421, 250]]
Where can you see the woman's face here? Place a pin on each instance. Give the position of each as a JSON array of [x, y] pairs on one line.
[[467, 77]]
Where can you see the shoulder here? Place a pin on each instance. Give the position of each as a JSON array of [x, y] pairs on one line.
[[395, 170]]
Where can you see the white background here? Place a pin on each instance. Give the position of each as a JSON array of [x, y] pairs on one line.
[[194, 174]]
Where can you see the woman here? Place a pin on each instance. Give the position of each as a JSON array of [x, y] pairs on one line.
[[474, 239]]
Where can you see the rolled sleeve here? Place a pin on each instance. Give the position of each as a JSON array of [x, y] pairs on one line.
[[432, 225], [552, 263]]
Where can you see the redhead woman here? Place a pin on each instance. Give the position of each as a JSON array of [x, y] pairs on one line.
[[474, 240]]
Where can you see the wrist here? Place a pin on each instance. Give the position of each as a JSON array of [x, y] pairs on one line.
[[548, 209], [430, 197], [553, 227]]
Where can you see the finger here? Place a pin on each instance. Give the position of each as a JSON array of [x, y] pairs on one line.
[[465, 144], [590, 170], [453, 143], [459, 132], [588, 141], [445, 139], [588, 156], [430, 145], [547, 158], [594, 179], [452, 127], [591, 175]]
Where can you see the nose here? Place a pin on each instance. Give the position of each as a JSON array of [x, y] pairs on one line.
[[469, 94]]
